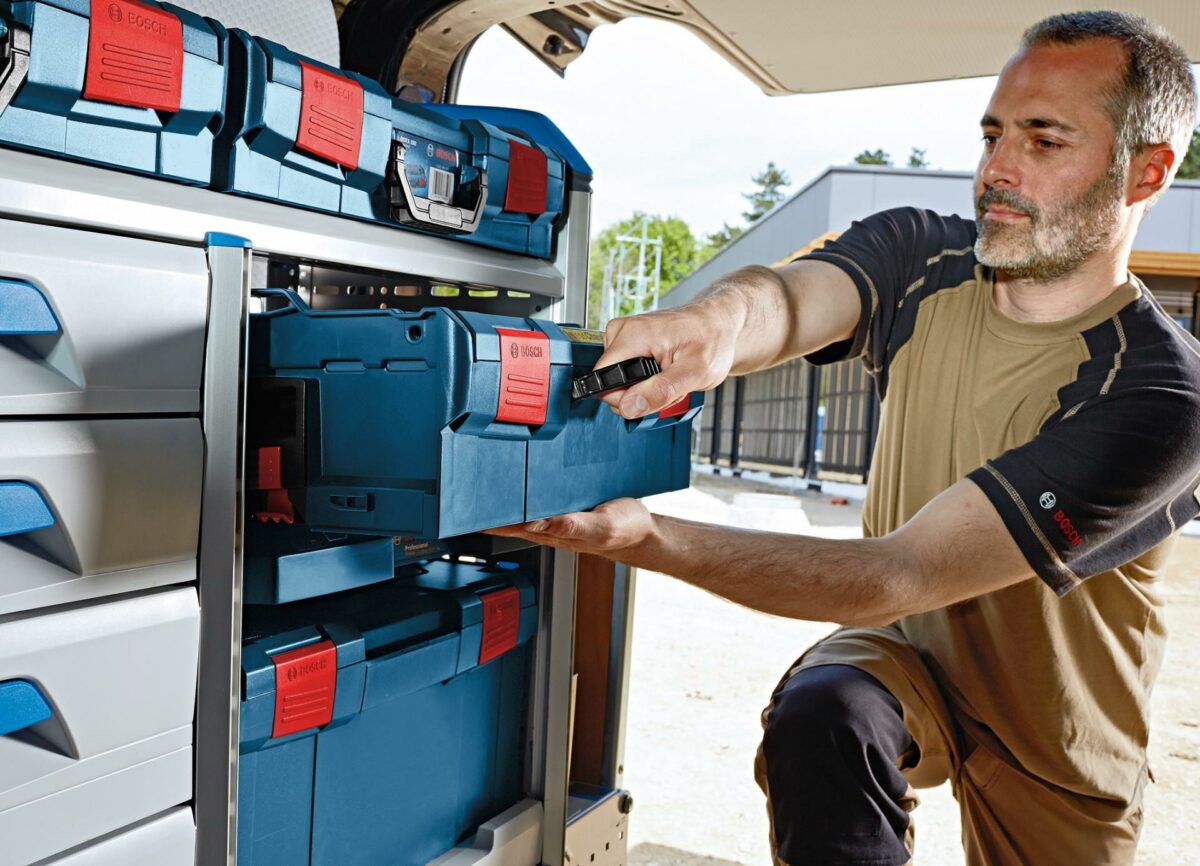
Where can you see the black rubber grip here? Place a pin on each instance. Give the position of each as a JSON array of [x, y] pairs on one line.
[[620, 375]]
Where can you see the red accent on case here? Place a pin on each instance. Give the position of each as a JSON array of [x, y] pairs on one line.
[[501, 623], [678, 408], [527, 180], [270, 479], [331, 115], [135, 55], [524, 376], [305, 685]]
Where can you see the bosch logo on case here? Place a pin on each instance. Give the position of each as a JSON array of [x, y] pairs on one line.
[[429, 151], [305, 669], [1048, 500], [332, 88], [514, 350], [114, 12], [529, 351]]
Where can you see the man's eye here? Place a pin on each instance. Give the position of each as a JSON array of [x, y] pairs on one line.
[[1046, 144], [989, 140]]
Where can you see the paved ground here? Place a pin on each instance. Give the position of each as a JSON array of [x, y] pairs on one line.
[[703, 668]]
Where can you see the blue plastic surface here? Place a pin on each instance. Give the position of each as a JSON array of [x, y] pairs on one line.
[[21, 706], [258, 156], [435, 376], [220, 239], [22, 509], [424, 745], [530, 123], [24, 310], [49, 114], [290, 563]]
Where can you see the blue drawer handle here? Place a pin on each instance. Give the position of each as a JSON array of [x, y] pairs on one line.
[[22, 509], [21, 706], [24, 310]]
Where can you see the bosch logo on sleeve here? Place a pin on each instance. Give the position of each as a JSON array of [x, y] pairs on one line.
[[1048, 500], [1068, 529]]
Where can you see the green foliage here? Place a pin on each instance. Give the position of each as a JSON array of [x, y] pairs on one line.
[[1189, 169], [873, 157], [717, 241], [770, 183], [679, 258], [917, 159]]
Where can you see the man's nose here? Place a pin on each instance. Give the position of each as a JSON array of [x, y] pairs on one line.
[[999, 168]]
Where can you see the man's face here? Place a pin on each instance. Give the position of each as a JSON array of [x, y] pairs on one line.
[[1047, 194]]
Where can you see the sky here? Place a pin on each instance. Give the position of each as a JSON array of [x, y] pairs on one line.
[[670, 128]]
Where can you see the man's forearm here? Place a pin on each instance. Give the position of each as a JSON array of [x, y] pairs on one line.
[[852, 582], [755, 301]]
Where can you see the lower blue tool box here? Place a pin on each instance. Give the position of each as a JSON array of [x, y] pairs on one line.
[[439, 423], [385, 725], [132, 84]]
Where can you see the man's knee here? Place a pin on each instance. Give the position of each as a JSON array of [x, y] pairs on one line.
[[830, 707]]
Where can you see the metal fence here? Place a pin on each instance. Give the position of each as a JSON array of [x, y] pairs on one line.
[[796, 419]]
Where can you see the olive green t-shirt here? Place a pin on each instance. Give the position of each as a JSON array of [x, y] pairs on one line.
[[1085, 436]]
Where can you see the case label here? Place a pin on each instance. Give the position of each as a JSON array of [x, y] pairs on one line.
[[331, 115], [135, 56]]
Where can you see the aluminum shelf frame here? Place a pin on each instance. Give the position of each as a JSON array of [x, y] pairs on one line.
[[42, 189]]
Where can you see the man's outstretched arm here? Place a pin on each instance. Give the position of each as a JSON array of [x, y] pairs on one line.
[[954, 549]]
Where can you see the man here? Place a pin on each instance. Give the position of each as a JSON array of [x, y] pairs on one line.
[[1038, 448]]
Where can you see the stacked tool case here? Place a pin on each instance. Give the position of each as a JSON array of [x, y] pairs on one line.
[[309, 464]]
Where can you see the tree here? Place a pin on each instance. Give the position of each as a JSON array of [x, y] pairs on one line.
[[717, 241], [770, 183], [1190, 167], [917, 159], [680, 255], [873, 157]]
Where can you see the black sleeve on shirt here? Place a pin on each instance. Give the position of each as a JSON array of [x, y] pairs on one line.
[[892, 256], [1102, 485]]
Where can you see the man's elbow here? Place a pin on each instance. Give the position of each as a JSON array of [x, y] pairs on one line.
[[894, 588]]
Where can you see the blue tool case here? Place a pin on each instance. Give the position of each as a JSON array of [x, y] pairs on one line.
[[439, 423], [131, 85], [387, 724]]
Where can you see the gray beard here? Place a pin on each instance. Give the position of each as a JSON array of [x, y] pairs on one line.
[[1049, 245]]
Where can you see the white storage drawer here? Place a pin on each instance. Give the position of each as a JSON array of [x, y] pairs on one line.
[[96, 323], [96, 507], [112, 744], [168, 840]]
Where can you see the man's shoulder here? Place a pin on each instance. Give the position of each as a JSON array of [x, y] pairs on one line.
[[927, 227]]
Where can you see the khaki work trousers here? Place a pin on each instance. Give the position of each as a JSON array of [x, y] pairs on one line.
[[1009, 818]]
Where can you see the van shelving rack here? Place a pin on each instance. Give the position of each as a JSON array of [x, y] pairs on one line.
[[248, 243]]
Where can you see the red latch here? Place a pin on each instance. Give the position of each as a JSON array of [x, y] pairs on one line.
[[678, 408], [331, 115], [501, 622], [524, 376], [305, 686], [135, 55], [270, 480], [527, 180]]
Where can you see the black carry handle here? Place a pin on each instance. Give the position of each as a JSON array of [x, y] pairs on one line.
[[620, 375]]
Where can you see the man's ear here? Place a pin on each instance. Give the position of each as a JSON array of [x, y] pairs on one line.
[[1151, 172]]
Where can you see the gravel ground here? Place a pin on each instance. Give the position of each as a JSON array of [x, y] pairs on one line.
[[703, 668]]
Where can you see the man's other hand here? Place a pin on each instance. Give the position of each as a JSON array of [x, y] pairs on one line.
[[612, 528]]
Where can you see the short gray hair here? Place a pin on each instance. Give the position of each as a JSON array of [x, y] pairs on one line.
[[1155, 100]]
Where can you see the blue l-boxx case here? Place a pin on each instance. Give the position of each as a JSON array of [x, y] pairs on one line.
[[131, 85], [384, 725], [440, 422]]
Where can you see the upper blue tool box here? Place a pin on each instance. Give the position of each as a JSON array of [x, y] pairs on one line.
[[440, 423], [301, 132], [135, 85], [386, 725]]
